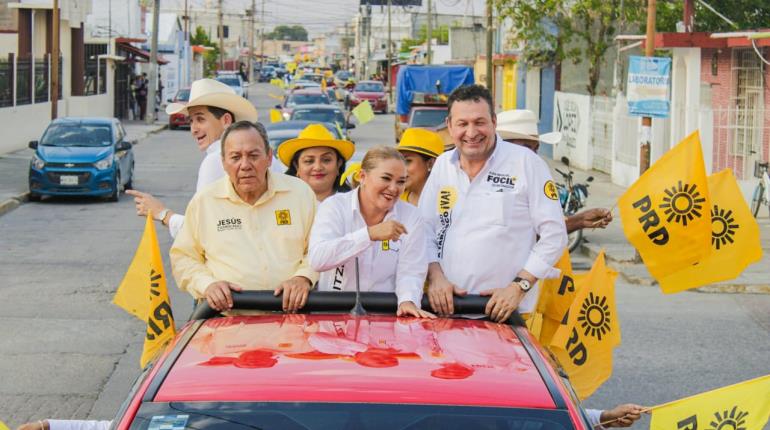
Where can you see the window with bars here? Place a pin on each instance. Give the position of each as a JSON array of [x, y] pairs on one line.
[[747, 102], [95, 69]]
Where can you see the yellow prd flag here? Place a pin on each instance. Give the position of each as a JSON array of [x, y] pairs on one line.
[[277, 82], [3, 426], [275, 115], [143, 293], [744, 406], [666, 212], [323, 85], [584, 344], [363, 112], [734, 239]]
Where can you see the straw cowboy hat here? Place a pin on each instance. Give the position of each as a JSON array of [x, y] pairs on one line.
[[209, 92], [421, 141], [522, 124], [314, 135]]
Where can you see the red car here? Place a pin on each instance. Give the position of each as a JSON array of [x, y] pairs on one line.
[[307, 96], [373, 91], [333, 370], [179, 119]]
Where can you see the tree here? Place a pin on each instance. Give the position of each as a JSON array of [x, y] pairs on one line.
[[746, 14], [554, 31], [288, 32], [210, 57]]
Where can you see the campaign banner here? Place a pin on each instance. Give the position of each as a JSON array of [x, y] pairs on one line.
[[649, 80]]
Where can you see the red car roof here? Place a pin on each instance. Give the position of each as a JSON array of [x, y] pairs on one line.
[[339, 358]]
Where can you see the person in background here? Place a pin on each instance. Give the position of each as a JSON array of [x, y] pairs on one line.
[[420, 148], [317, 158], [372, 236], [212, 107]]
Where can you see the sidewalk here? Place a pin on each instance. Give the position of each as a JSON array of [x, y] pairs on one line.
[[620, 254], [14, 166]]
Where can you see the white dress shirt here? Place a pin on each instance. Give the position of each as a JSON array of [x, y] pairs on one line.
[[209, 171], [340, 234], [485, 231]]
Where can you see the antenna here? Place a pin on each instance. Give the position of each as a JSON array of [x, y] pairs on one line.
[[358, 310]]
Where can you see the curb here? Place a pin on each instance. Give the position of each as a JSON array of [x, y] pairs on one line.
[[636, 274]]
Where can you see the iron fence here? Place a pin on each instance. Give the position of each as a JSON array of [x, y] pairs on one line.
[[6, 83]]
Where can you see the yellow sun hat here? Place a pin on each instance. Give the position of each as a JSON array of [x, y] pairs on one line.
[[312, 136], [421, 141]]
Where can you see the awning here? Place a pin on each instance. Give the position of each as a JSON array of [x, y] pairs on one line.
[[139, 53]]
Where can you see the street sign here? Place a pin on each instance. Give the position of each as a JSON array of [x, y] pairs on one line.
[[649, 80], [392, 2]]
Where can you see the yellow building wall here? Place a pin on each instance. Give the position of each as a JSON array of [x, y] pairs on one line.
[[509, 86]]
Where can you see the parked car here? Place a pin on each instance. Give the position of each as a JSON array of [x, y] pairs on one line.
[[296, 98], [234, 81], [373, 91], [179, 119], [267, 73], [81, 157], [333, 370]]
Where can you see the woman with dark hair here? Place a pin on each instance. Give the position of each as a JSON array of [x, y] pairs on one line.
[[317, 158], [420, 149]]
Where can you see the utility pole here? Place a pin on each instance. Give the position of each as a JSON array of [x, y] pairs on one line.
[[649, 51], [149, 117], [489, 46], [262, 36], [221, 38], [389, 54], [429, 34], [54, 57], [347, 48], [368, 39], [187, 48], [359, 62], [251, 41]]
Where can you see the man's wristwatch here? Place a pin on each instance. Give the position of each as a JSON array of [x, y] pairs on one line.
[[162, 215], [523, 284]]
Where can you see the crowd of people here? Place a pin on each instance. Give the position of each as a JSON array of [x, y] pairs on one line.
[[481, 219]]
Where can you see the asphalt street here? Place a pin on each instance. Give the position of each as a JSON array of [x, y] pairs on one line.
[[67, 352]]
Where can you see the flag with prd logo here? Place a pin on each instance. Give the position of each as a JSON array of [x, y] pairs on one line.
[[585, 343], [363, 112], [666, 213], [734, 239], [743, 406], [143, 293]]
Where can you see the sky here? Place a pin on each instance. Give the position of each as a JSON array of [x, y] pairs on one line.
[[320, 16]]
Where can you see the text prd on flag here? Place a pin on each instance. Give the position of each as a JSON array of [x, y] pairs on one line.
[[143, 293], [666, 212], [584, 344], [741, 406], [734, 239]]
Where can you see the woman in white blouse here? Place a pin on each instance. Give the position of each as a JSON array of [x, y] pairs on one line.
[[372, 225]]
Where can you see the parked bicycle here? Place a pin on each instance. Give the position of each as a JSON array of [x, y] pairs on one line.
[[572, 198], [762, 191]]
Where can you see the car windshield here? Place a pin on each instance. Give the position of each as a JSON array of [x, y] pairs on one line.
[[428, 117], [231, 81], [314, 78], [328, 416], [319, 115], [77, 135], [370, 87], [183, 95], [307, 99]]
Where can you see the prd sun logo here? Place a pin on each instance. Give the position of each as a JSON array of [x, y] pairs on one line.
[[594, 316], [735, 420], [682, 203], [722, 227]]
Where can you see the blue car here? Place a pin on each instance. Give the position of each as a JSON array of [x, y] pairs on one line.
[[81, 157]]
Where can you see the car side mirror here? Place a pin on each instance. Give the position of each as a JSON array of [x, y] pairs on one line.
[[350, 125], [123, 145], [33, 144], [565, 160]]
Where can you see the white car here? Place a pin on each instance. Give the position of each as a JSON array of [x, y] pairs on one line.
[[234, 81]]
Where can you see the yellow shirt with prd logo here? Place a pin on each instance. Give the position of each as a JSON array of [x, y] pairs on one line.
[[255, 246]]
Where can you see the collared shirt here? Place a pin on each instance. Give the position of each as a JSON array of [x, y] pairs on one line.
[[340, 236], [255, 246], [209, 171], [484, 231]]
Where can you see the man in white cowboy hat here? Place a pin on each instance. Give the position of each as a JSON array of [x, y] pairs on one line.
[[212, 107], [248, 230], [519, 126]]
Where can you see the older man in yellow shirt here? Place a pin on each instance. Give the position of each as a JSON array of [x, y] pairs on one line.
[[247, 231]]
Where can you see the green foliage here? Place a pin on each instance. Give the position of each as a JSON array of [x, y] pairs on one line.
[[407, 44], [288, 32], [210, 58], [441, 34], [747, 14]]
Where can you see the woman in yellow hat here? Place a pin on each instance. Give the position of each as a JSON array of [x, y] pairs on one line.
[[317, 158], [420, 148]]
